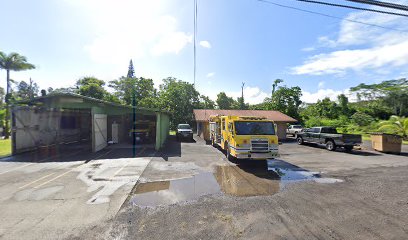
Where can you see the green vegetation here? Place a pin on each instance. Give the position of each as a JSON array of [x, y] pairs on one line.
[[11, 62], [5, 147], [380, 107]]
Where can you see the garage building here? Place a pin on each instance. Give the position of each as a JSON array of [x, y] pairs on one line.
[[64, 119], [202, 117]]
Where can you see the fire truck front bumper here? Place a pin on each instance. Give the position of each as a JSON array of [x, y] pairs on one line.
[[256, 155]]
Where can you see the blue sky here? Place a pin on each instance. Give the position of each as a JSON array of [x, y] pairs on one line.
[[239, 41]]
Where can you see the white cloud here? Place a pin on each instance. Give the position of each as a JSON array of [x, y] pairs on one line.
[[211, 74], [171, 43], [130, 29], [361, 47], [326, 41], [308, 49], [309, 97], [321, 84], [395, 55], [252, 95], [205, 44]]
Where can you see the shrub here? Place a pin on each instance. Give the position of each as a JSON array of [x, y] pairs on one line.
[[362, 119]]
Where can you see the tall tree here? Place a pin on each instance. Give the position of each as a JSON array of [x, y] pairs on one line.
[[391, 93], [240, 104], [12, 62], [179, 98], [327, 109], [131, 70], [206, 102], [343, 104], [224, 102], [145, 92], [27, 90], [275, 85], [286, 100], [91, 87]]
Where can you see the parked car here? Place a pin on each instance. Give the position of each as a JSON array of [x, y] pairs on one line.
[[329, 137], [294, 130], [184, 131]]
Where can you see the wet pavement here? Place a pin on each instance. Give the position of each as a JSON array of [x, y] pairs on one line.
[[246, 178], [191, 191]]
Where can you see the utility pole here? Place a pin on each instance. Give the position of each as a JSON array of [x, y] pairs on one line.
[[242, 97], [134, 120], [131, 74], [30, 89], [195, 41], [242, 90]]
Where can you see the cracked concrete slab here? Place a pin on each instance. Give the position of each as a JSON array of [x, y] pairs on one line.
[[56, 200]]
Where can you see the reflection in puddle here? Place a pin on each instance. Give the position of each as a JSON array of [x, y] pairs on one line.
[[289, 173], [246, 179], [235, 181], [174, 191]]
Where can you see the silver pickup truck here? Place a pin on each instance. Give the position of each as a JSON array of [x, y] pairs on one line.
[[329, 137]]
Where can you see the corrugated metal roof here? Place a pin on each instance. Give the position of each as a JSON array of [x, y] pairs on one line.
[[204, 114], [74, 95]]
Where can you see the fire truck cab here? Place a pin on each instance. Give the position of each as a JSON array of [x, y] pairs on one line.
[[244, 137]]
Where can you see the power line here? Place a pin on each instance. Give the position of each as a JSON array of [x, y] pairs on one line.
[[382, 4], [195, 41], [353, 7], [330, 16]]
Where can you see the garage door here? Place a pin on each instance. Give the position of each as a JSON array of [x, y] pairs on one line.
[[100, 132]]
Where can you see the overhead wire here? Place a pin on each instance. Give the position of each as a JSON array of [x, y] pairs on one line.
[[330, 16], [382, 4], [353, 7]]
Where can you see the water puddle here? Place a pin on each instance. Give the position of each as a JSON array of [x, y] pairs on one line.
[[251, 178], [289, 173], [174, 191]]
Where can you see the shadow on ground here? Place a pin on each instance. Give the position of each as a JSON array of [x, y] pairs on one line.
[[76, 152], [172, 148]]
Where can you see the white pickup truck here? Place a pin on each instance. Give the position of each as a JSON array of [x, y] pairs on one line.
[[294, 130]]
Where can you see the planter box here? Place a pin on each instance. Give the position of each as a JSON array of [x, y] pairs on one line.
[[388, 143]]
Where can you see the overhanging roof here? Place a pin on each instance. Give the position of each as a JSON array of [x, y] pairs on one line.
[[89, 99]]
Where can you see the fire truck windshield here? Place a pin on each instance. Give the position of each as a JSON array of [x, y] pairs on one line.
[[254, 128]]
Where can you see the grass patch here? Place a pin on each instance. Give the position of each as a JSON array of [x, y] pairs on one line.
[[172, 132], [5, 147]]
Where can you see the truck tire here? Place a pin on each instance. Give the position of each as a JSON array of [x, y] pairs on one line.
[[299, 140], [330, 145]]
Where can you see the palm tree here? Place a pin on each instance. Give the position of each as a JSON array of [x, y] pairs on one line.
[[396, 125], [275, 84], [12, 62]]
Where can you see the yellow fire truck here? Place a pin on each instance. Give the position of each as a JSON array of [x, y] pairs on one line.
[[244, 137]]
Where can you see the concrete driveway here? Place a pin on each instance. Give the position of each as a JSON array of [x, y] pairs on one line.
[[191, 191], [62, 195]]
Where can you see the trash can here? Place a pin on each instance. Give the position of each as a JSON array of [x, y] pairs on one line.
[[388, 143]]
